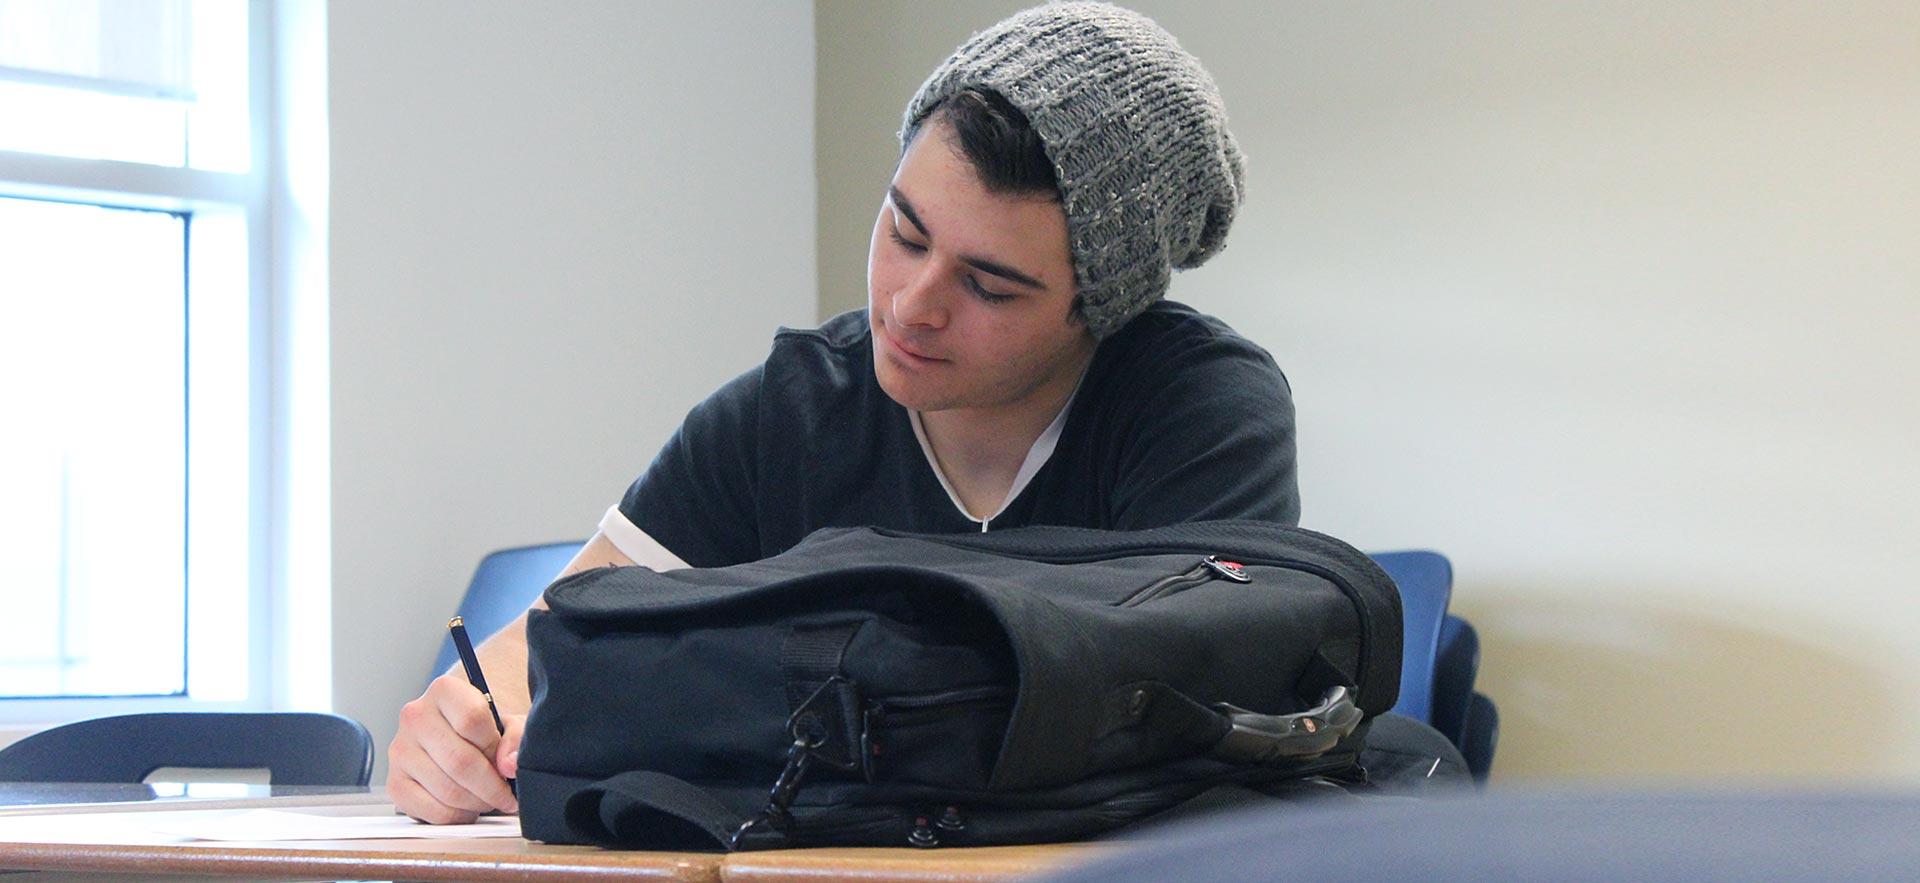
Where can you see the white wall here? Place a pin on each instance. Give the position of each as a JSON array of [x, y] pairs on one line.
[[555, 227], [1611, 302]]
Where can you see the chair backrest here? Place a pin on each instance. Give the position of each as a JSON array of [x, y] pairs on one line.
[[1455, 668], [506, 582], [1426, 587], [1467, 718], [1441, 659], [296, 748]]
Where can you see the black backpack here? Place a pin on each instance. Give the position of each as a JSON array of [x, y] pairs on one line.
[[872, 687]]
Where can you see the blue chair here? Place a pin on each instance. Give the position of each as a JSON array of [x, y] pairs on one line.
[[506, 582], [296, 748], [1441, 659]]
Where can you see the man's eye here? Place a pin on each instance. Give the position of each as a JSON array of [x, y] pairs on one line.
[[903, 243], [992, 297]]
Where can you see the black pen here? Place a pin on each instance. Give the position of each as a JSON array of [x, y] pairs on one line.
[[471, 663], [464, 646]]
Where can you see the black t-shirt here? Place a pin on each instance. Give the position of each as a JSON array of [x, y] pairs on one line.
[[1177, 419]]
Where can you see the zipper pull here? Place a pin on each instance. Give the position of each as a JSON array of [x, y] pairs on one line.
[[1232, 570], [787, 785], [777, 814]]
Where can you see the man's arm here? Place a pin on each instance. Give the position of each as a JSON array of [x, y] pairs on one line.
[[506, 651], [447, 764], [1243, 466]]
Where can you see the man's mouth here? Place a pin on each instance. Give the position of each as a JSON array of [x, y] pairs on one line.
[[907, 350]]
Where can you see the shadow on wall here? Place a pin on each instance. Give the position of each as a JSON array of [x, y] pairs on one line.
[[1630, 693]]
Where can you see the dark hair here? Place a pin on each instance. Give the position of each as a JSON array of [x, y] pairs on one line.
[[1003, 149], [997, 141]]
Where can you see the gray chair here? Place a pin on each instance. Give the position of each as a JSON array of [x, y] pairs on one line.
[[296, 748]]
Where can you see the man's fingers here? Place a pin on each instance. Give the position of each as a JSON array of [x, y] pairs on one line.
[[506, 758], [448, 780], [445, 751], [465, 709], [468, 758], [410, 798], [469, 771], [420, 789]]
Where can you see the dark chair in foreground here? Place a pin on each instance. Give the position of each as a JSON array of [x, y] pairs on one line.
[[1441, 659], [1667, 835], [296, 748], [506, 582]]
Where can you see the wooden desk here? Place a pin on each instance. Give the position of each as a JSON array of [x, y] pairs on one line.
[[515, 859], [449, 860], [983, 863], [518, 860]]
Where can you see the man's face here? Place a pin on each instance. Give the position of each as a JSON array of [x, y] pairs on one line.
[[969, 292]]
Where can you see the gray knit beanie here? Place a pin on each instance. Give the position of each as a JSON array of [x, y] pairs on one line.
[[1149, 175]]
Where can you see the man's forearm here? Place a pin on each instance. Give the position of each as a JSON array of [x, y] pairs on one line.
[[504, 655]]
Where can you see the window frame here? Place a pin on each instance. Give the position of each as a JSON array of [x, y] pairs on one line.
[[243, 543]]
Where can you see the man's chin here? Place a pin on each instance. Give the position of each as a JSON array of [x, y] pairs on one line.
[[908, 394]]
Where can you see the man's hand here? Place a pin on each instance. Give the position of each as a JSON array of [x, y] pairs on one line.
[[448, 765]]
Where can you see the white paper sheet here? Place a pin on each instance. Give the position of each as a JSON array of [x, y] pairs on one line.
[[276, 824], [100, 828], [238, 825]]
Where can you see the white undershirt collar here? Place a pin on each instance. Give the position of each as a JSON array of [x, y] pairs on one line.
[[1036, 457]]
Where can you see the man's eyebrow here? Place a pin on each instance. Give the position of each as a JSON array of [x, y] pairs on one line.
[[905, 205], [1003, 271]]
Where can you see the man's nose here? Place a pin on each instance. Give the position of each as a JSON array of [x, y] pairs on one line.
[[922, 301]]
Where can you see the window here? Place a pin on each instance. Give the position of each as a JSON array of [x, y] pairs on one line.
[[134, 357], [95, 367]]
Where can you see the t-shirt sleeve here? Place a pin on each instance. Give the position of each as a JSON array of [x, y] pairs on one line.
[[635, 544], [697, 497], [1214, 440]]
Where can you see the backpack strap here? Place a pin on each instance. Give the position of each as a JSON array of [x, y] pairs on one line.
[[649, 810], [810, 656], [824, 707]]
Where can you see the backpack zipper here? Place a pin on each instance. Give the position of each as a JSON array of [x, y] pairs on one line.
[[911, 710], [1361, 608], [927, 827], [1209, 568]]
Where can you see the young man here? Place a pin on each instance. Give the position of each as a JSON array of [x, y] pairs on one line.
[[1015, 365]]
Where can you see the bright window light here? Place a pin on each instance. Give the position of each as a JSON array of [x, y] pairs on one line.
[[160, 82], [135, 357], [93, 530]]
